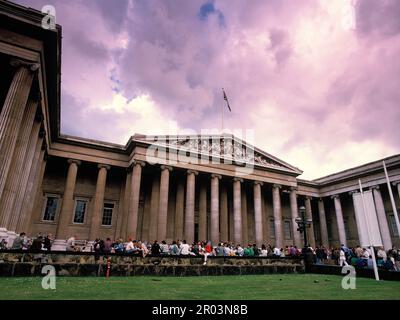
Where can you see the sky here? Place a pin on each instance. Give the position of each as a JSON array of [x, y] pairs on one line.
[[315, 83]]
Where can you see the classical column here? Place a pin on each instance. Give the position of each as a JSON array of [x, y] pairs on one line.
[[397, 183], [203, 211], [258, 212], [154, 203], [189, 209], [294, 214], [339, 219], [276, 202], [68, 200], [19, 168], [179, 209], [223, 219], [322, 223], [163, 204], [214, 216], [12, 113], [133, 206], [310, 233], [123, 215], [382, 219], [245, 233], [98, 202], [237, 210]]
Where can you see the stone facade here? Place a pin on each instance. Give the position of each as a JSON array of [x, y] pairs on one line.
[[214, 187]]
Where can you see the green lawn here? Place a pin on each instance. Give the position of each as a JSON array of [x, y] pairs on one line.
[[219, 287]]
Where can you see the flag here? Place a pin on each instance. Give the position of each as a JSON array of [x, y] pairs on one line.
[[226, 99]]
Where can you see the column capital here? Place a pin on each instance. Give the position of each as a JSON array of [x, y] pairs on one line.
[[308, 198], [395, 183], [21, 63], [138, 162], [374, 187], [258, 182], [164, 167], [293, 189], [77, 162], [215, 175], [192, 171], [320, 199], [335, 196], [105, 166], [353, 191], [237, 179], [276, 186]]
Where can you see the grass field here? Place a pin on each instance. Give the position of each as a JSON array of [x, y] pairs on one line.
[[216, 288]]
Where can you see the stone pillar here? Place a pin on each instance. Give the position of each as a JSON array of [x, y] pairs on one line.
[[245, 232], [214, 216], [67, 207], [33, 190], [339, 219], [276, 202], [98, 202], [258, 212], [310, 232], [123, 214], [189, 209], [203, 211], [223, 219], [12, 113], [294, 214], [237, 210], [133, 199], [19, 168], [322, 223], [179, 209], [154, 202], [382, 219], [163, 204], [398, 189]]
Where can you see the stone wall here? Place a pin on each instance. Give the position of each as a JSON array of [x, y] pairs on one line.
[[87, 264]]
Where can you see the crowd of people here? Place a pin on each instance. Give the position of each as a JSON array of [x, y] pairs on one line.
[[356, 256]]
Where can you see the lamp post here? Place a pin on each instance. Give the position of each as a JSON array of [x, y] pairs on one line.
[[303, 224]]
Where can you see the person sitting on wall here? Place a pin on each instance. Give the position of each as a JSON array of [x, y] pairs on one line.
[[71, 244], [3, 244], [155, 249], [19, 242], [184, 249], [47, 242], [174, 250], [164, 248], [37, 244]]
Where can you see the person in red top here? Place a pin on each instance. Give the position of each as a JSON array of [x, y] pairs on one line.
[[207, 251]]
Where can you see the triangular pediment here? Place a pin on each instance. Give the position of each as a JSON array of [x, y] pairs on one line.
[[228, 148]]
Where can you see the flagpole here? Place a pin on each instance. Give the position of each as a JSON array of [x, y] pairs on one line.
[[396, 217], [371, 246]]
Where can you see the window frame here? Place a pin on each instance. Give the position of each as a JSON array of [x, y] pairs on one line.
[[112, 214], [85, 213], [45, 199]]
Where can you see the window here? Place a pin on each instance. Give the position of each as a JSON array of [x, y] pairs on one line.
[[287, 230], [80, 210], [50, 209], [271, 228], [393, 227], [107, 214]]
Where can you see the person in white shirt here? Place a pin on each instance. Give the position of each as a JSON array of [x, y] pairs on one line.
[[239, 250], [342, 258], [382, 254], [129, 246], [184, 249], [277, 252], [264, 251]]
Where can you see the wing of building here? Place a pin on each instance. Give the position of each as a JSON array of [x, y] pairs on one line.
[[215, 187]]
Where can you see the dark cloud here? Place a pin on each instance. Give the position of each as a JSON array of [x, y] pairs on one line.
[[380, 17]]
